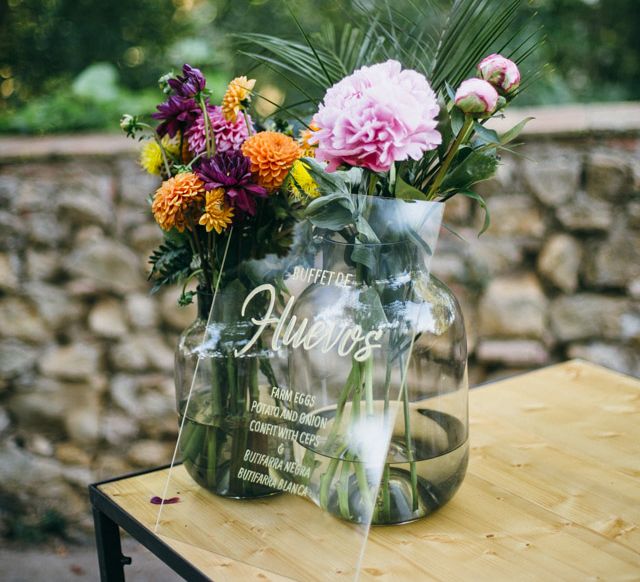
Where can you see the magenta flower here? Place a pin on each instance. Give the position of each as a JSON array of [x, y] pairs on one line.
[[476, 96], [229, 135], [190, 84], [502, 73], [231, 171], [177, 114], [376, 116]]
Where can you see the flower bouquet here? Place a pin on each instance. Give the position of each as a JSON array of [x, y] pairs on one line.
[[231, 195], [352, 348]]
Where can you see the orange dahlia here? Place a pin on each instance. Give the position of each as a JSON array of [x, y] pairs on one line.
[[271, 154], [175, 198], [237, 97]]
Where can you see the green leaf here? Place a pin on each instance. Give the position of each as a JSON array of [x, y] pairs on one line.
[[515, 131], [476, 167], [457, 120], [364, 254], [450, 91], [370, 312], [334, 211], [486, 135], [480, 200], [405, 191], [329, 183]]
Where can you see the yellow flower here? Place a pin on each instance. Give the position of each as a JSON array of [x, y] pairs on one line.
[[308, 150], [175, 199], [151, 154], [301, 183], [237, 96], [217, 215]]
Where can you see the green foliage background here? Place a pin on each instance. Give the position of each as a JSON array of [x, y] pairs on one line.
[[69, 65]]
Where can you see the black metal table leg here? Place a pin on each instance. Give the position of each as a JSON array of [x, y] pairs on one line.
[[109, 548]]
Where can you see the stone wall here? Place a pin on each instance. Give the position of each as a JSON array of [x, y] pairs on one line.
[[86, 354]]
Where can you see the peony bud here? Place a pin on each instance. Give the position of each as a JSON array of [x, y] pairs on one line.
[[476, 96], [502, 73]]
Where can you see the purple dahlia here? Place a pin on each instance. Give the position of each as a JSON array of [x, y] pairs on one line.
[[190, 84], [232, 171], [177, 114]]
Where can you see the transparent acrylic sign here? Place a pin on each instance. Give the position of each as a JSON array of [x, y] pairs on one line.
[[293, 396]]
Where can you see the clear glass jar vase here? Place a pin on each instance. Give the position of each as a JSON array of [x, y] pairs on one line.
[[402, 403], [218, 391]]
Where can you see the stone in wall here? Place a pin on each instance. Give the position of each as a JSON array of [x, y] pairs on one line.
[[588, 315], [559, 262], [614, 261], [552, 174], [513, 307], [512, 352], [109, 265], [16, 357], [19, 319], [8, 274], [107, 319], [517, 217], [583, 213], [78, 361], [142, 311], [611, 355], [608, 176]]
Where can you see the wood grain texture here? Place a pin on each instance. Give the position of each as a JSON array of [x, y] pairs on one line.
[[552, 493]]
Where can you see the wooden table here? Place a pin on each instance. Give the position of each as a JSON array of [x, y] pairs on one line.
[[552, 493]]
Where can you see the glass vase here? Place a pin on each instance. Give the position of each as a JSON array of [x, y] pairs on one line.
[[219, 393], [408, 394]]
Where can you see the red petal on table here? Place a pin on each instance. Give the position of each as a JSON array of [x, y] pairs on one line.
[[159, 501]]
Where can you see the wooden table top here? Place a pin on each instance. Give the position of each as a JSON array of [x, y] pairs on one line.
[[552, 493]]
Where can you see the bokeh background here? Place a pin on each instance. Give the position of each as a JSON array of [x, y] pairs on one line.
[[86, 354], [68, 65]]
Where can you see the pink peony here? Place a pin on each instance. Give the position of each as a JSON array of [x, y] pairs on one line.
[[476, 96], [376, 116], [502, 73], [229, 135]]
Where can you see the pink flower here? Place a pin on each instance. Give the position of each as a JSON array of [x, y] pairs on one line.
[[229, 135], [502, 73], [376, 116], [476, 96]]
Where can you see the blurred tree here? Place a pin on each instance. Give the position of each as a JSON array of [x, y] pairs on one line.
[[45, 43], [593, 46]]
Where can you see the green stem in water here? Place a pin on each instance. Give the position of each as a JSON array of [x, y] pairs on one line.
[[453, 150], [409, 439]]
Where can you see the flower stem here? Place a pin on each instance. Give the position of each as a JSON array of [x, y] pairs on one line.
[[247, 123], [164, 155], [211, 146], [453, 150]]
